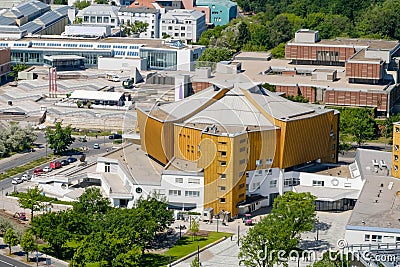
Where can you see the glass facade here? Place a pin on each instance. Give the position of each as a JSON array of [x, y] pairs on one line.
[[159, 60], [36, 57]]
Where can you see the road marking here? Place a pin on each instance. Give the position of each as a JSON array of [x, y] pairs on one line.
[[8, 263]]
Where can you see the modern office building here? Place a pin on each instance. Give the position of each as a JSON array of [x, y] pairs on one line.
[[229, 131], [221, 11], [183, 24], [151, 16], [100, 15], [158, 54], [218, 12]]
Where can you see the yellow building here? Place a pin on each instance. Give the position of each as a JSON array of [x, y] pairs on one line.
[[396, 152], [230, 130]]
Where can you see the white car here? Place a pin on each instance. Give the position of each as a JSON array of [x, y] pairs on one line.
[[47, 169], [16, 180], [25, 177]]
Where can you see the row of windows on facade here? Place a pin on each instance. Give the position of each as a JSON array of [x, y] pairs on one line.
[[176, 28], [148, 15], [322, 183], [259, 162], [176, 34], [177, 21], [34, 44], [95, 19], [288, 182], [176, 193]]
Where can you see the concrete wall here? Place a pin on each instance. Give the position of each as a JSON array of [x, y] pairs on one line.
[[118, 64]]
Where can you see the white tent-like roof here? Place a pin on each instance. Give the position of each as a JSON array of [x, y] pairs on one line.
[[96, 95]]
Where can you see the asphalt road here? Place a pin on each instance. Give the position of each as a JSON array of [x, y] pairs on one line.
[[7, 262], [40, 152]]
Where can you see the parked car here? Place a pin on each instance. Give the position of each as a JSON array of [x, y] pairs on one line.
[[16, 180], [96, 146], [26, 177], [55, 165], [71, 159], [38, 171], [64, 162], [82, 139], [247, 219], [115, 136], [47, 169]]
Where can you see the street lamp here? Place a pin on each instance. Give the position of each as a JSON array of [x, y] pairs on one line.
[[238, 233], [317, 227]]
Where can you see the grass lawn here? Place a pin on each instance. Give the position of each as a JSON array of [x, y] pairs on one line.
[[186, 245]]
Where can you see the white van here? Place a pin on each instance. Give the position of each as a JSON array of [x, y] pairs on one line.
[[113, 77]]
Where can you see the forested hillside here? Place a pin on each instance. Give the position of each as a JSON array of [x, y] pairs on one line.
[[268, 24]]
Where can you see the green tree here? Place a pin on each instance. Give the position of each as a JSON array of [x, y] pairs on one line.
[[279, 51], [135, 28], [53, 228], [61, 2], [10, 238], [291, 215], [4, 225], [234, 37], [59, 139], [28, 243], [358, 123], [91, 202], [15, 69], [78, 20], [216, 55], [330, 259], [387, 130], [131, 258], [101, 2], [81, 4], [32, 200], [194, 228], [214, 33]]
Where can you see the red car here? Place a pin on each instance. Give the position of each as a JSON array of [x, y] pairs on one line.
[[38, 171], [55, 165]]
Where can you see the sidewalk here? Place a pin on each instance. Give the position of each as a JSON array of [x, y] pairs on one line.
[[18, 255]]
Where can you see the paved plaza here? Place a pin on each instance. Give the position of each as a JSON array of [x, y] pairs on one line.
[[331, 228]]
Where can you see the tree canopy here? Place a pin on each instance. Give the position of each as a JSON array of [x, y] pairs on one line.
[[271, 22], [10, 238], [357, 124], [291, 215], [60, 138], [15, 139], [32, 200], [135, 28]]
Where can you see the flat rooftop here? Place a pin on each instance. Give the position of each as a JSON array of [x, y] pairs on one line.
[[154, 43], [138, 165], [356, 43], [378, 206], [360, 56], [254, 70]]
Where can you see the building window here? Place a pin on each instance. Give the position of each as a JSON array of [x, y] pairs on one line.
[[395, 167], [107, 167], [223, 163], [273, 183], [242, 141], [291, 182], [223, 153], [241, 186], [179, 180], [193, 181], [396, 158], [99, 19], [242, 161], [241, 195], [106, 20], [317, 183], [92, 19], [376, 238], [222, 188], [222, 200], [222, 143], [268, 161], [112, 20], [396, 147], [242, 149], [86, 18], [367, 238], [223, 176], [192, 193], [397, 129], [259, 162], [174, 192]]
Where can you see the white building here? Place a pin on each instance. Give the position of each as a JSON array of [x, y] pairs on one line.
[[151, 16], [376, 217], [183, 24], [81, 30], [100, 15]]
